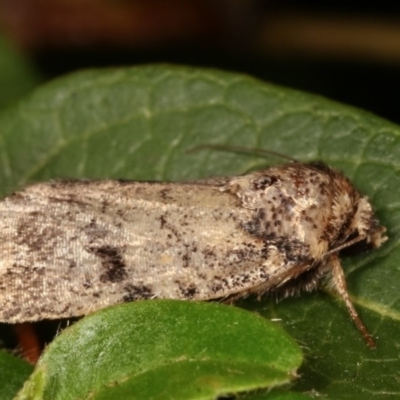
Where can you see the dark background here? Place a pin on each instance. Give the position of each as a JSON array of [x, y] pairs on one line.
[[348, 51]]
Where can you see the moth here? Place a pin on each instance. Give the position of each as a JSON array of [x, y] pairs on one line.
[[69, 248]]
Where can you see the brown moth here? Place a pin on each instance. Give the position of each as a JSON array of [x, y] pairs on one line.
[[69, 248]]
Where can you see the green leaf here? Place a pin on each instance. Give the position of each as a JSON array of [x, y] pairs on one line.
[[14, 373], [17, 77], [139, 123], [164, 349]]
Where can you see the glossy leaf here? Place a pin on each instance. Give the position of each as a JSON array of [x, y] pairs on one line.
[[164, 349]]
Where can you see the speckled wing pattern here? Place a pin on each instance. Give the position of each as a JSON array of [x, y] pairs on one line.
[[69, 248]]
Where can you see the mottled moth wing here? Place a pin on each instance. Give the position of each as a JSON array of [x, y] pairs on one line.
[[71, 247]]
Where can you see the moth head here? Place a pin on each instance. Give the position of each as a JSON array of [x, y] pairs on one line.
[[363, 230], [367, 225]]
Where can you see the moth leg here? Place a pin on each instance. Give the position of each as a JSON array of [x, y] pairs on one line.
[[341, 287], [28, 341]]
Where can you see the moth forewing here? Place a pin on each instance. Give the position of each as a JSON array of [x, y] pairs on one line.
[[72, 247]]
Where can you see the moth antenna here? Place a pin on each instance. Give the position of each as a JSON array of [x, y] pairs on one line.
[[345, 245], [341, 287], [240, 149]]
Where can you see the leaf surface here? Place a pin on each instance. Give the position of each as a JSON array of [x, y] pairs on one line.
[[14, 373], [164, 349]]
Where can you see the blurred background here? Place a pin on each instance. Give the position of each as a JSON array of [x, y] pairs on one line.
[[348, 51]]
